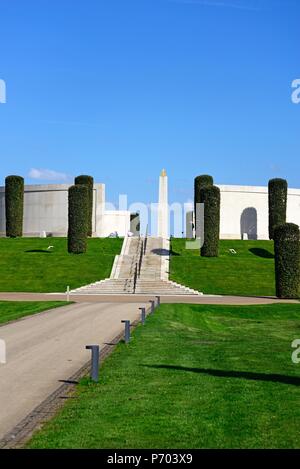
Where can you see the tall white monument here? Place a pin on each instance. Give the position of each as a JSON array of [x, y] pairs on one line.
[[163, 207]]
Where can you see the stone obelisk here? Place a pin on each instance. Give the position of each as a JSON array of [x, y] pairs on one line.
[[163, 207]]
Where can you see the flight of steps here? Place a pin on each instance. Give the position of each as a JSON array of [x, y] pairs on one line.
[[125, 286], [106, 287], [154, 272], [155, 253], [163, 287], [124, 265]]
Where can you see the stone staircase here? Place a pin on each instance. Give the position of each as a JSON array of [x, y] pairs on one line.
[[125, 286], [152, 263]]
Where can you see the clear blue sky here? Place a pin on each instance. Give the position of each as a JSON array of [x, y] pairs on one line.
[[120, 89]]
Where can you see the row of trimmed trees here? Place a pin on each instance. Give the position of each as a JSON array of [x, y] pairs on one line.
[[80, 210], [286, 236]]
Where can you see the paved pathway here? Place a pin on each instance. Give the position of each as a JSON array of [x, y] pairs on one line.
[[46, 348]]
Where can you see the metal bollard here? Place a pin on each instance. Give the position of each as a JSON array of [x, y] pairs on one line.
[[127, 331], [158, 300], [68, 293], [95, 362], [152, 306], [143, 315]]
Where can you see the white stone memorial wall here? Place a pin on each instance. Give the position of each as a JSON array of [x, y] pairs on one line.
[[46, 210]]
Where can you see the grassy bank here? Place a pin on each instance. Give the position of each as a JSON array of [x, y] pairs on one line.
[[12, 310], [28, 266], [249, 272]]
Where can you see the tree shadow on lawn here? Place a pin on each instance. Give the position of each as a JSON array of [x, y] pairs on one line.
[[162, 252], [44, 251], [275, 378], [260, 252]]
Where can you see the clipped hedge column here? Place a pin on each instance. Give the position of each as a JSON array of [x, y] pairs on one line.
[[89, 182], [14, 206], [211, 197], [278, 189], [78, 219], [199, 183], [287, 260]]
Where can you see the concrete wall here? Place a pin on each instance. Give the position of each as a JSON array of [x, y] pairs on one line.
[[46, 209], [115, 220], [244, 209]]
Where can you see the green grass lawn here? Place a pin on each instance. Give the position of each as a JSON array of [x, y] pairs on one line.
[[195, 376], [250, 272], [27, 266], [12, 310]]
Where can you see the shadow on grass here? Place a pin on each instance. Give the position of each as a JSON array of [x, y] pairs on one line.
[[161, 252], [262, 253], [275, 378], [44, 251]]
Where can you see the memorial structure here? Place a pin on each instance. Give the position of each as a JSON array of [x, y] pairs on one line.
[[244, 213], [46, 212], [163, 207]]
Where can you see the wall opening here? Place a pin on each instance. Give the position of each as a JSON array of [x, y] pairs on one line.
[[249, 223]]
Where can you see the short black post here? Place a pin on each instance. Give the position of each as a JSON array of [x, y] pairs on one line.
[[127, 331], [95, 362], [143, 315], [158, 300], [152, 306]]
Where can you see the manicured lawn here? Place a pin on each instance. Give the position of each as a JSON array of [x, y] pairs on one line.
[[250, 272], [12, 310], [195, 376], [27, 265]]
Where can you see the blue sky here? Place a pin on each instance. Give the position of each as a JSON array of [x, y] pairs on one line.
[[120, 89]]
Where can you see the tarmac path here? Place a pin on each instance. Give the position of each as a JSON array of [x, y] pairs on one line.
[[46, 349]]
